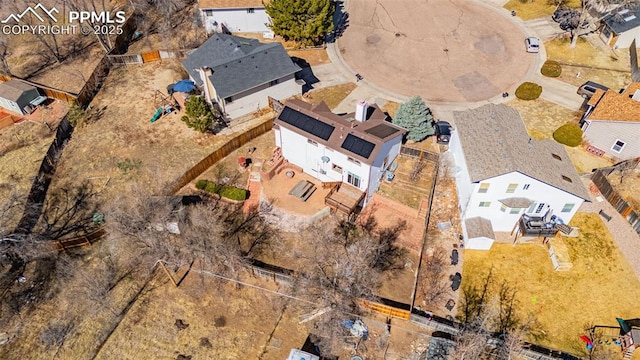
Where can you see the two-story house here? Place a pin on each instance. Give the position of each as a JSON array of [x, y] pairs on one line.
[[239, 74], [611, 123], [507, 181], [234, 16], [355, 148]]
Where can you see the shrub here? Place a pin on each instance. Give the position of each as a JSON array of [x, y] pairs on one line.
[[201, 184], [551, 68], [233, 193], [199, 116], [568, 134], [528, 91], [212, 187]]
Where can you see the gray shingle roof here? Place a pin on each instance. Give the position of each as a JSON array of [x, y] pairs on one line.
[[479, 227], [617, 22], [13, 89], [239, 64], [495, 142]]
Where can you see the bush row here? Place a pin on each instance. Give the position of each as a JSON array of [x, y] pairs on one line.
[[229, 192]]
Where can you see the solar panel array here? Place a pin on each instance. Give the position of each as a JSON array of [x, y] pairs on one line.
[[358, 146], [306, 123], [382, 131]]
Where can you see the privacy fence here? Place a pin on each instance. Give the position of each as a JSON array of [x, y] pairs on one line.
[[219, 154], [156, 55], [622, 206]]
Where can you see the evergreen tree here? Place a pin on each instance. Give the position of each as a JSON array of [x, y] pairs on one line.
[[199, 116], [415, 116], [306, 22]]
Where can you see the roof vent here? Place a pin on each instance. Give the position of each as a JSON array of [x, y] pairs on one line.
[[557, 157], [636, 95], [566, 178]]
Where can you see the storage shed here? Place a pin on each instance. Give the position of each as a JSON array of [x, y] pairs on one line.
[[19, 97]]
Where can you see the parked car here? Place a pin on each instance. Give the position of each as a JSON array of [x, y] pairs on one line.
[[532, 44], [587, 89], [443, 132], [454, 257], [455, 281]]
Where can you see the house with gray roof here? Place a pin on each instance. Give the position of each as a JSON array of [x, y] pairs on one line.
[[239, 74], [19, 97], [620, 27], [509, 182], [234, 16]]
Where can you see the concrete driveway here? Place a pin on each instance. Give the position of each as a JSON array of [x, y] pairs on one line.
[[444, 51]]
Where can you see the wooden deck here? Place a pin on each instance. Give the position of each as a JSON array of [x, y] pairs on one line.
[[344, 198]]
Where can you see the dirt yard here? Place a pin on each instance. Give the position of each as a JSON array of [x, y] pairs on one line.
[[402, 189], [628, 185], [23, 146], [564, 302], [217, 327], [119, 145]]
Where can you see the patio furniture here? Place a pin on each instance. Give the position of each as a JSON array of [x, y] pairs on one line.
[[308, 194], [290, 173], [297, 190]]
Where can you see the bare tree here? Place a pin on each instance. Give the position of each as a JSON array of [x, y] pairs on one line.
[[589, 7], [433, 282], [5, 53]]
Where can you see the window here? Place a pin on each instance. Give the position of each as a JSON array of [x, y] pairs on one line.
[[250, 10], [531, 207], [273, 82], [568, 207], [353, 160], [515, 211], [618, 146], [353, 180], [484, 187], [503, 208], [309, 141], [485, 203], [208, 12], [336, 168], [526, 186], [512, 188], [539, 208]]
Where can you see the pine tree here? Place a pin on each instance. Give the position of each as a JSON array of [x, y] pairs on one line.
[[199, 116], [306, 22], [415, 116]]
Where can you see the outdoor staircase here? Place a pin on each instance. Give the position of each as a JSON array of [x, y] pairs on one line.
[[563, 228]]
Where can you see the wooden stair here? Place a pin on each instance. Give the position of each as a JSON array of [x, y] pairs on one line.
[[629, 352], [563, 228]]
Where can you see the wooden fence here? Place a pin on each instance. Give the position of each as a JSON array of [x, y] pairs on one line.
[[219, 154], [142, 58], [419, 153], [89, 239], [622, 206]]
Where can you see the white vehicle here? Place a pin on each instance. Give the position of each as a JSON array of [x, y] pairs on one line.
[[532, 44]]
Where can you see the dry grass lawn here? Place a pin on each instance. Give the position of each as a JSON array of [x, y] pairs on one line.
[[404, 190], [390, 108], [313, 56], [586, 54], [535, 9], [599, 287], [541, 117], [332, 95]]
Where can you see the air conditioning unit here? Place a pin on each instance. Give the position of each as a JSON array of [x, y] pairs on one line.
[[323, 172]]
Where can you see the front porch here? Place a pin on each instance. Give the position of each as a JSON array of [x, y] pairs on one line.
[[344, 198]]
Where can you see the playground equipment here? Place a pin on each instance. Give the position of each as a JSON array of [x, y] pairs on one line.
[[158, 114]]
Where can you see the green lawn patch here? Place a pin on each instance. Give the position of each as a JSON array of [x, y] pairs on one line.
[[226, 191]]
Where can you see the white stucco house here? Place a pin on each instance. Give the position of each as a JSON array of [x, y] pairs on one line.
[[239, 74], [611, 123], [234, 16], [354, 149], [620, 27], [508, 182]]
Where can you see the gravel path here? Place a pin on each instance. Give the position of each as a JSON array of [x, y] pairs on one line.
[[626, 238]]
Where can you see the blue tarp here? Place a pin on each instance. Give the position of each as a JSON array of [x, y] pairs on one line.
[[184, 86]]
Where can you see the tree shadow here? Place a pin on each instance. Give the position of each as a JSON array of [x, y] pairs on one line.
[[340, 22]]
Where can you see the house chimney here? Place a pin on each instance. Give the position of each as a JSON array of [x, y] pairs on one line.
[[205, 72], [361, 110]]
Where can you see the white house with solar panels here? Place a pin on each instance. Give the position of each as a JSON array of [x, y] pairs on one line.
[[355, 149]]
